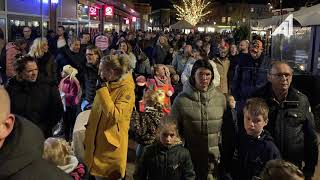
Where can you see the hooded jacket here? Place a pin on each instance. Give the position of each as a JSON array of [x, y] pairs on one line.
[[165, 163], [199, 115], [252, 155], [21, 155], [106, 137]]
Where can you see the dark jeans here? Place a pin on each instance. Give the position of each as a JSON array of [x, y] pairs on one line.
[[69, 118]]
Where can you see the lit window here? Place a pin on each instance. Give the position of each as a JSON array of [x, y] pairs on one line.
[[252, 9], [229, 19], [223, 19], [244, 20]]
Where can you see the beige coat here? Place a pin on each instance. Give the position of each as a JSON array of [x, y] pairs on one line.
[[223, 68]]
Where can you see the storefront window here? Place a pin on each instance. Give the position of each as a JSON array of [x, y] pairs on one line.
[[82, 11], [16, 24], [2, 5], [294, 49]]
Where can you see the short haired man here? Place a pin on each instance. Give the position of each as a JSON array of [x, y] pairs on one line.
[[291, 121], [21, 146], [27, 32], [85, 42], [250, 74]]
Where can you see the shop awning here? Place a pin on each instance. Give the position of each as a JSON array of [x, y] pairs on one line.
[[306, 17]]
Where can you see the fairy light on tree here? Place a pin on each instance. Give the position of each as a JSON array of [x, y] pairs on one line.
[[192, 10]]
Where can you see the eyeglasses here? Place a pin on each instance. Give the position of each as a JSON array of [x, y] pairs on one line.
[[281, 75]]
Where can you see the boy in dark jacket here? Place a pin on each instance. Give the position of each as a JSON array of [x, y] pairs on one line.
[[255, 147], [166, 158]]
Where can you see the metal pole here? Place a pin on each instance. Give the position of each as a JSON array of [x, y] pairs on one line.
[[281, 35], [41, 14]]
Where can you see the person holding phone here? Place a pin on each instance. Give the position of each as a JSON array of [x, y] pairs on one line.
[[106, 137]]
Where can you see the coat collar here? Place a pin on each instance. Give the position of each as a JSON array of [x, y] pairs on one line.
[[125, 79], [197, 95]]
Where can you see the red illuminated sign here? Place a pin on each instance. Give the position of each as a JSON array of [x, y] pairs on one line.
[[93, 11], [134, 19], [109, 10]]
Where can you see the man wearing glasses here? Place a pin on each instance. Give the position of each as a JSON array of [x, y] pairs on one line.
[[27, 37], [291, 122]]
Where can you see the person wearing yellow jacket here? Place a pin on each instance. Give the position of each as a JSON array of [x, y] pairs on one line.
[[106, 137]]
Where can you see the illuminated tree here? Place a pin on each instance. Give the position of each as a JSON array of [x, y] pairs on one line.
[[192, 10]]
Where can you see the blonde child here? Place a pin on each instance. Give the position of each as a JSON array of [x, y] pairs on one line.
[[161, 83], [146, 122], [166, 158], [58, 152], [281, 170], [70, 89]]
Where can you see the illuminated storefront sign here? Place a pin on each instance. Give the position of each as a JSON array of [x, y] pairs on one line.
[[109, 11], [93, 11], [134, 19]]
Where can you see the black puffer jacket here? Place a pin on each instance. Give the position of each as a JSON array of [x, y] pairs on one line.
[[90, 82], [21, 155], [163, 163], [39, 102], [291, 124]]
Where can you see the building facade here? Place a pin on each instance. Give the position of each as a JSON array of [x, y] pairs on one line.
[[75, 15]]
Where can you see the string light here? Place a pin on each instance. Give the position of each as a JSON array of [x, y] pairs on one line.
[[192, 11]]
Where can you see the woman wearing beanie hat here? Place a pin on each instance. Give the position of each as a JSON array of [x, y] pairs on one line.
[[69, 88]]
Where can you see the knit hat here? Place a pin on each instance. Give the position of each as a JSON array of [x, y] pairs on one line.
[[70, 71]]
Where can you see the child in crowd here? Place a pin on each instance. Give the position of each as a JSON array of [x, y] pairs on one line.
[[166, 158], [146, 122], [255, 147], [161, 83], [281, 170], [69, 88], [58, 152]]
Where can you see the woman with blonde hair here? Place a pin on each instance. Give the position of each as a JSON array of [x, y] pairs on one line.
[[45, 60], [106, 137], [160, 51]]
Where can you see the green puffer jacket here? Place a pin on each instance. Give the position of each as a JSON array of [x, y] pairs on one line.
[[199, 116]]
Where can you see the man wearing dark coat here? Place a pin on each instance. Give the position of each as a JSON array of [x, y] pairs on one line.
[[21, 146], [291, 122]]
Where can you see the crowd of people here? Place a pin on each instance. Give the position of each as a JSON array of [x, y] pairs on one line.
[[199, 106]]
